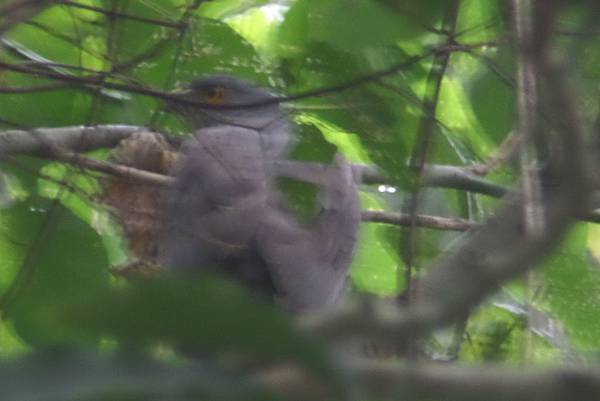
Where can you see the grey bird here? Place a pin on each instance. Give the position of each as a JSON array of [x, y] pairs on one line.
[[226, 215]]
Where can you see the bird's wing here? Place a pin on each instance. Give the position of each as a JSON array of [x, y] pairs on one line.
[[308, 265], [219, 195], [339, 220]]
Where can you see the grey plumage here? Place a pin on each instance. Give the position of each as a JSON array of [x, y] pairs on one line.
[[226, 215]]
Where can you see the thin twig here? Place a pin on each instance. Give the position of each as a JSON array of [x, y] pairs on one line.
[[119, 170], [425, 221]]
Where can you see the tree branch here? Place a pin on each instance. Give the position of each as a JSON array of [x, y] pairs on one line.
[[76, 376], [386, 381], [82, 139], [119, 170], [435, 222], [77, 139]]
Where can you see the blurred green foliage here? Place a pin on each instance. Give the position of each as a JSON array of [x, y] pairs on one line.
[[57, 244]]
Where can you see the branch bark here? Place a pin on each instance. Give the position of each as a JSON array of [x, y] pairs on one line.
[[402, 219], [40, 141], [385, 381], [43, 141]]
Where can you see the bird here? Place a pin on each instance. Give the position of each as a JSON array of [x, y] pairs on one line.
[[226, 215]]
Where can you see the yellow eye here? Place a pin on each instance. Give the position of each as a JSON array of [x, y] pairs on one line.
[[216, 95]]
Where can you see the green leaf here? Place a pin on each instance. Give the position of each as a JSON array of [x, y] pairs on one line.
[[63, 266], [127, 38], [301, 197], [492, 93], [76, 376], [345, 26], [205, 314], [571, 289], [220, 9], [480, 21], [494, 335], [376, 266]]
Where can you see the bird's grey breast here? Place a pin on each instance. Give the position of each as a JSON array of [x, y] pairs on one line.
[[219, 195]]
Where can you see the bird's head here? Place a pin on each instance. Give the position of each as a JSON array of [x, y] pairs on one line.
[[225, 100]]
